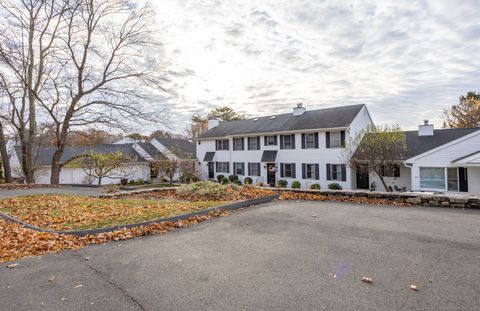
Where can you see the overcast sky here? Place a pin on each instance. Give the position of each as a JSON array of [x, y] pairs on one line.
[[407, 60]]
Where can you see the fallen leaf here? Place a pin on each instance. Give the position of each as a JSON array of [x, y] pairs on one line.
[[367, 280]]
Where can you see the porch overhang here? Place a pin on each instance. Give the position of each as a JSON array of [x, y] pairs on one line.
[[269, 156], [209, 156]]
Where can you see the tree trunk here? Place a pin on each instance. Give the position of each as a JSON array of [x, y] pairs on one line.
[[56, 167], [4, 155], [383, 181], [27, 161]]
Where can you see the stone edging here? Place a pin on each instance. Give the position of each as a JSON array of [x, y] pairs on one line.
[[435, 200], [228, 207]]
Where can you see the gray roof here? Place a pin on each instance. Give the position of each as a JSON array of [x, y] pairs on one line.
[[182, 148], [152, 151], [45, 154], [419, 144], [338, 117]]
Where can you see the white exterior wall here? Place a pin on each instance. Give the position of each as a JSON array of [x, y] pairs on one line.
[[443, 157], [320, 156], [405, 179], [76, 175]]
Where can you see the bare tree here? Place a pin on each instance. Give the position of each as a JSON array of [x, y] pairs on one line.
[[104, 165], [5, 158], [376, 149], [104, 71], [28, 33]]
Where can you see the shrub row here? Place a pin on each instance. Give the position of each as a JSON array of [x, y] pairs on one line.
[[282, 183]]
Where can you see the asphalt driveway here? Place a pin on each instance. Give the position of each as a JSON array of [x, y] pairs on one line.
[[278, 256]]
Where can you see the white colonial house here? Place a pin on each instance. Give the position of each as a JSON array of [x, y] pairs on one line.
[[307, 146], [139, 166]]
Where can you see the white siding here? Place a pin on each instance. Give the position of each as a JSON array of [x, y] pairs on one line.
[[405, 179], [320, 156], [443, 157]]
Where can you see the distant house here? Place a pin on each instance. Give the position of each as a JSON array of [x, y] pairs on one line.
[[307, 146], [139, 166], [443, 160]]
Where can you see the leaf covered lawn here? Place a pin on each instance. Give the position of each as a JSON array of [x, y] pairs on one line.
[[62, 212]]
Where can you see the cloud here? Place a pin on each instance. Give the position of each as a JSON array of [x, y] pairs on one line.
[[401, 58]]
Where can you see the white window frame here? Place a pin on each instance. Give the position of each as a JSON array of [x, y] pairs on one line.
[[223, 167], [271, 140], [222, 144], [335, 139], [253, 143], [236, 166], [285, 174], [238, 142], [445, 182], [310, 141], [253, 167], [307, 165], [290, 142]]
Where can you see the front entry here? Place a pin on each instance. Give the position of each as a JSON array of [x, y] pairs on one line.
[[363, 180], [271, 174], [211, 170]]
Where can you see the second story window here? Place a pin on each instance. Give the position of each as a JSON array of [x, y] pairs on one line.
[[238, 143], [310, 141], [254, 143], [335, 139], [222, 144], [287, 141], [270, 140]]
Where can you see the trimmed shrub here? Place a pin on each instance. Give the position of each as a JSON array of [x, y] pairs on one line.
[[334, 186], [220, 177], [282, 183], [232, 178], [248, 181], [224, 181], [188, 179], [296, 184], [315, 186], [237, 182], [124, 181], [139, 181], [260, 184]]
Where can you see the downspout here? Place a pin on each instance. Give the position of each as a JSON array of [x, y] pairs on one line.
[[411, 174]]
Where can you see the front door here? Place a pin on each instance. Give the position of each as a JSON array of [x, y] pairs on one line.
[[363, 181], [271, 174], [211, 170], [462, 179]]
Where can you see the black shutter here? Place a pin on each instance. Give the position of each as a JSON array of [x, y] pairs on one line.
[[275, 140], [248, 143], [243, 143], [243, 168], [327, 139], [317, 171], [234, 168], [329, 172], [249, 168], [344, 172], [281, 141], [342, 139], [304, 171], [228, 144], [316, 140], [216, 145], [293, 141], [282, 170], [264, 140], [303, 141], [258, 142], [216, 167], [258, 170], [228, 168], [294, 173]]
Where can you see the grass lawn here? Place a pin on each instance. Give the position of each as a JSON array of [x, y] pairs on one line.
[[63, 212]]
